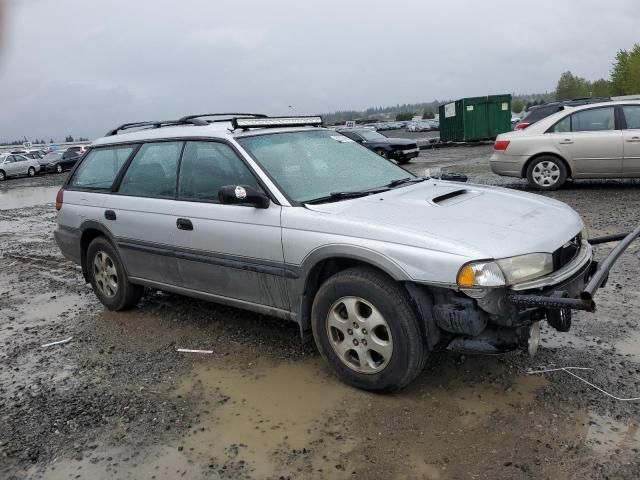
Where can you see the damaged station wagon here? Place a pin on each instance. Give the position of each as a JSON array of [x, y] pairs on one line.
[[283, 217]]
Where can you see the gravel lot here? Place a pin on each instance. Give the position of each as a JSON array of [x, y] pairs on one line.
[[118, 401]]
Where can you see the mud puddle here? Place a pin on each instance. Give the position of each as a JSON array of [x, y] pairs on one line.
[[21, 197], [607, 436], [265, 412]]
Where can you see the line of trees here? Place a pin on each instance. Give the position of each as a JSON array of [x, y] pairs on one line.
[[624, 79], [42, 141]]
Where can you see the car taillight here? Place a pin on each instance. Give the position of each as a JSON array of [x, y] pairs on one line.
[[59, 199], [521, 125], [501, 145]]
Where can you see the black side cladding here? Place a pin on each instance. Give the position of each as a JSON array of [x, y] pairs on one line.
[[461, 317]]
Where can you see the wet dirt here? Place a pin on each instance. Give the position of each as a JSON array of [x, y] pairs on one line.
[[119, 402]]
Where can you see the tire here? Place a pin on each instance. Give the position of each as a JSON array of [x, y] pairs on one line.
[[546, 173], [103, 264], [2, 176], [348, 302], [59, 168], [382, 153], [31, 172]]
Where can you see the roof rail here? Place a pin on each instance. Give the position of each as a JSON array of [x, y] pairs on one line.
[[152, 123], [197, 119], [189, 119]]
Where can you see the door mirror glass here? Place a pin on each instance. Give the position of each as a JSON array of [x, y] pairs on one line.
[[243, 195]]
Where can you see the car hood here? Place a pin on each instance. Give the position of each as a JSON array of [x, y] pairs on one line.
[[465, 218]]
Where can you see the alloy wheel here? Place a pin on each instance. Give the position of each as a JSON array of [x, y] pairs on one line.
[[546, 173], [359, 335], [105, 274]]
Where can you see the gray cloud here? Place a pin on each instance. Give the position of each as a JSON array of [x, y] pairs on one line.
[[72, 66]]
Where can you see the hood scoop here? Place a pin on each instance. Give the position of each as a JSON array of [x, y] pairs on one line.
[[454, 196]]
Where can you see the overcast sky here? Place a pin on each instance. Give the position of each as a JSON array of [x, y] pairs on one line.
[[82, 66]]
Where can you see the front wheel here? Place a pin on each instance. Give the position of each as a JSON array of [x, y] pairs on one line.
[[59, 168], [109, 278], [546, 173], [382, 153], [31, 172], [366, 330], [2, 176]]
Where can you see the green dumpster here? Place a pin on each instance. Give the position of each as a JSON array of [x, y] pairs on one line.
[[476, 118]]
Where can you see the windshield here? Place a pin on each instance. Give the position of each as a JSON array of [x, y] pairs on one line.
[[313, 164]]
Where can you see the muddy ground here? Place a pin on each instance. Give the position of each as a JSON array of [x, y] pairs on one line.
[[118, 400]]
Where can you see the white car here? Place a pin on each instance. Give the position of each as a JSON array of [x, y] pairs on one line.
[[13, 165], [598, 140]]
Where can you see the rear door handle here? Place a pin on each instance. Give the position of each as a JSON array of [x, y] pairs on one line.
[[633, 139], [109, 214], [566, 141], [184, 224]]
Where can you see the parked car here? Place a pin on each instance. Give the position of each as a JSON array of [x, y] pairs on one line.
[[17, 165], [400, 149], [538, 112], [593, 141], [58, 161], [283, 217], [33, 154]]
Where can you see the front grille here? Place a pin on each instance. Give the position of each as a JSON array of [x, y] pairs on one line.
[[567, 252]]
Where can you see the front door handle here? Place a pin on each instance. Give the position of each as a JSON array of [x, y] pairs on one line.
[[109, 214], [184, 224], [633, 139], [566, 141]]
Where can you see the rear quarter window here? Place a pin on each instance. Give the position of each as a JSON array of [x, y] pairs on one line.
[[100, 168]]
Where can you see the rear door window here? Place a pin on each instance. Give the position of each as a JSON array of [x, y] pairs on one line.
[[632, 115], [100, 168], [206, 167], [153, 171]]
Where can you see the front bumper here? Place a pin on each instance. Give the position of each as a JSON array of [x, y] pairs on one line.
[[575, 291], [406, 154]]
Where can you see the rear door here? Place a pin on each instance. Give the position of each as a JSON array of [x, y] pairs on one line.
[[591, 141], [631, 136], [141, 213], [231, 251]]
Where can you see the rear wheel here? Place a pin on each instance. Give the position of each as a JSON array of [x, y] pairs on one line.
[[31, 172], [59, 168], [366, 330], [109, 278], [2, 176], [546, 173]]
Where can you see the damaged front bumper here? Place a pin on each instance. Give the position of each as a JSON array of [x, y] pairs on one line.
[[574, 287]]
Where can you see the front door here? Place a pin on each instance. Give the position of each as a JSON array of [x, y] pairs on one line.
[[631, 135], [590, 142], [20, 165], [231, 251]]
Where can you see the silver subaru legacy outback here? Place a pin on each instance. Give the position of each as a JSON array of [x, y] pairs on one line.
[[280, 216]]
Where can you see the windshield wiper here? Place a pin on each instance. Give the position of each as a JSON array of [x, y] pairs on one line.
[[403, 181], [335, 196]]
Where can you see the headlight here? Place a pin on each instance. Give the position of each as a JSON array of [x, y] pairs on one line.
[[526, 267], [505, 271]]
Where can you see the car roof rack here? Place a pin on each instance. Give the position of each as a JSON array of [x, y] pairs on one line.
[[198, 120], [186, 120], [153, 124]]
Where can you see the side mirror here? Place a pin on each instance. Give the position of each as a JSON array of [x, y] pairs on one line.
[[243, 195]]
